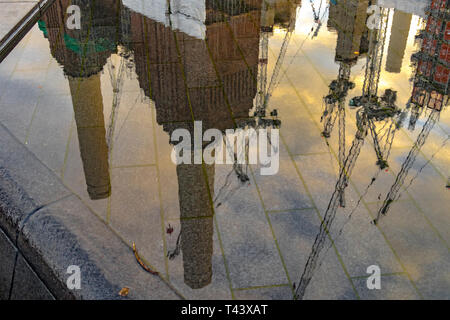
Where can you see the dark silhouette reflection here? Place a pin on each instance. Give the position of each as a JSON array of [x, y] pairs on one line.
[[83, 53], [193, 79], [88, 107], [197, 225]]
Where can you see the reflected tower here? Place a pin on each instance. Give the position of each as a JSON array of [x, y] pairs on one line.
[[397, 44], [212, 81], [82, 54], [432, 78]]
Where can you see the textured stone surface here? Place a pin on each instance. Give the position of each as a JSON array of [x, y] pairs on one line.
[[252, 256], [27, 285], [8, 256], [54, 234], [66, 233], [271, 293], [393, 287], [25, 183], [296, 232]]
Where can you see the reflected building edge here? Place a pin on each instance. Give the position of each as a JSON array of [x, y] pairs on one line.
[[397, 44]]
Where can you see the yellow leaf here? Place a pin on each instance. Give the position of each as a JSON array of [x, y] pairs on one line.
[[124, 292]]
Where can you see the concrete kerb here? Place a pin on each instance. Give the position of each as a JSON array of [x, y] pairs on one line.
[[52, 229]]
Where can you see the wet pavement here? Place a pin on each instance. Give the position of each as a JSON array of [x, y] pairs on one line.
[[99, 105]]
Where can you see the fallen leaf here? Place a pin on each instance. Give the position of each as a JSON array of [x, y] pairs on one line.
[[124, 292], [141, 263]]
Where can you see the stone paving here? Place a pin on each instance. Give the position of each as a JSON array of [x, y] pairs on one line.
[[11, 12], [262, 233]]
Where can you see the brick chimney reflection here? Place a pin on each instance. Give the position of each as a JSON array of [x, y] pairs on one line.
[[88, 107], [82, 54]]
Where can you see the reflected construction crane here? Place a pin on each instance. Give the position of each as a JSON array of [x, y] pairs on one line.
[[369, 99], [265, 92], [265, 89], [117, 75], [335, 101], [393, 193], [317, 19], [431, 83], [260, 119], [372, 108], [348, 18], [363, 122]]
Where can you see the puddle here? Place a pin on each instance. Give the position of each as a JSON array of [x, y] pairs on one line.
[[363, 138]]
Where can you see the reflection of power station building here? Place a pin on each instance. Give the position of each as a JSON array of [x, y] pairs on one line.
[[433, 60], [83, 53], [212, 81]]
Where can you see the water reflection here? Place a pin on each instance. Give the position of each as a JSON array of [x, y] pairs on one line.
[[212, 66], [192, 92], [430, 89], [372, 109], [83, 53]]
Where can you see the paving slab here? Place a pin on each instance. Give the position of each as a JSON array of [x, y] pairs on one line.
[[67, 233], [11, 13]]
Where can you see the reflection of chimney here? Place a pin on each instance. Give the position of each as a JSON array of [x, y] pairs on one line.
[[83, 53], [88, 107], [197, 226], [397, 43], [196, 92]]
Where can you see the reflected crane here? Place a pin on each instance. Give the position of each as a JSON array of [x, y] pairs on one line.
[[373, 108], [265, 89], [369, 99], [264, 93]]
